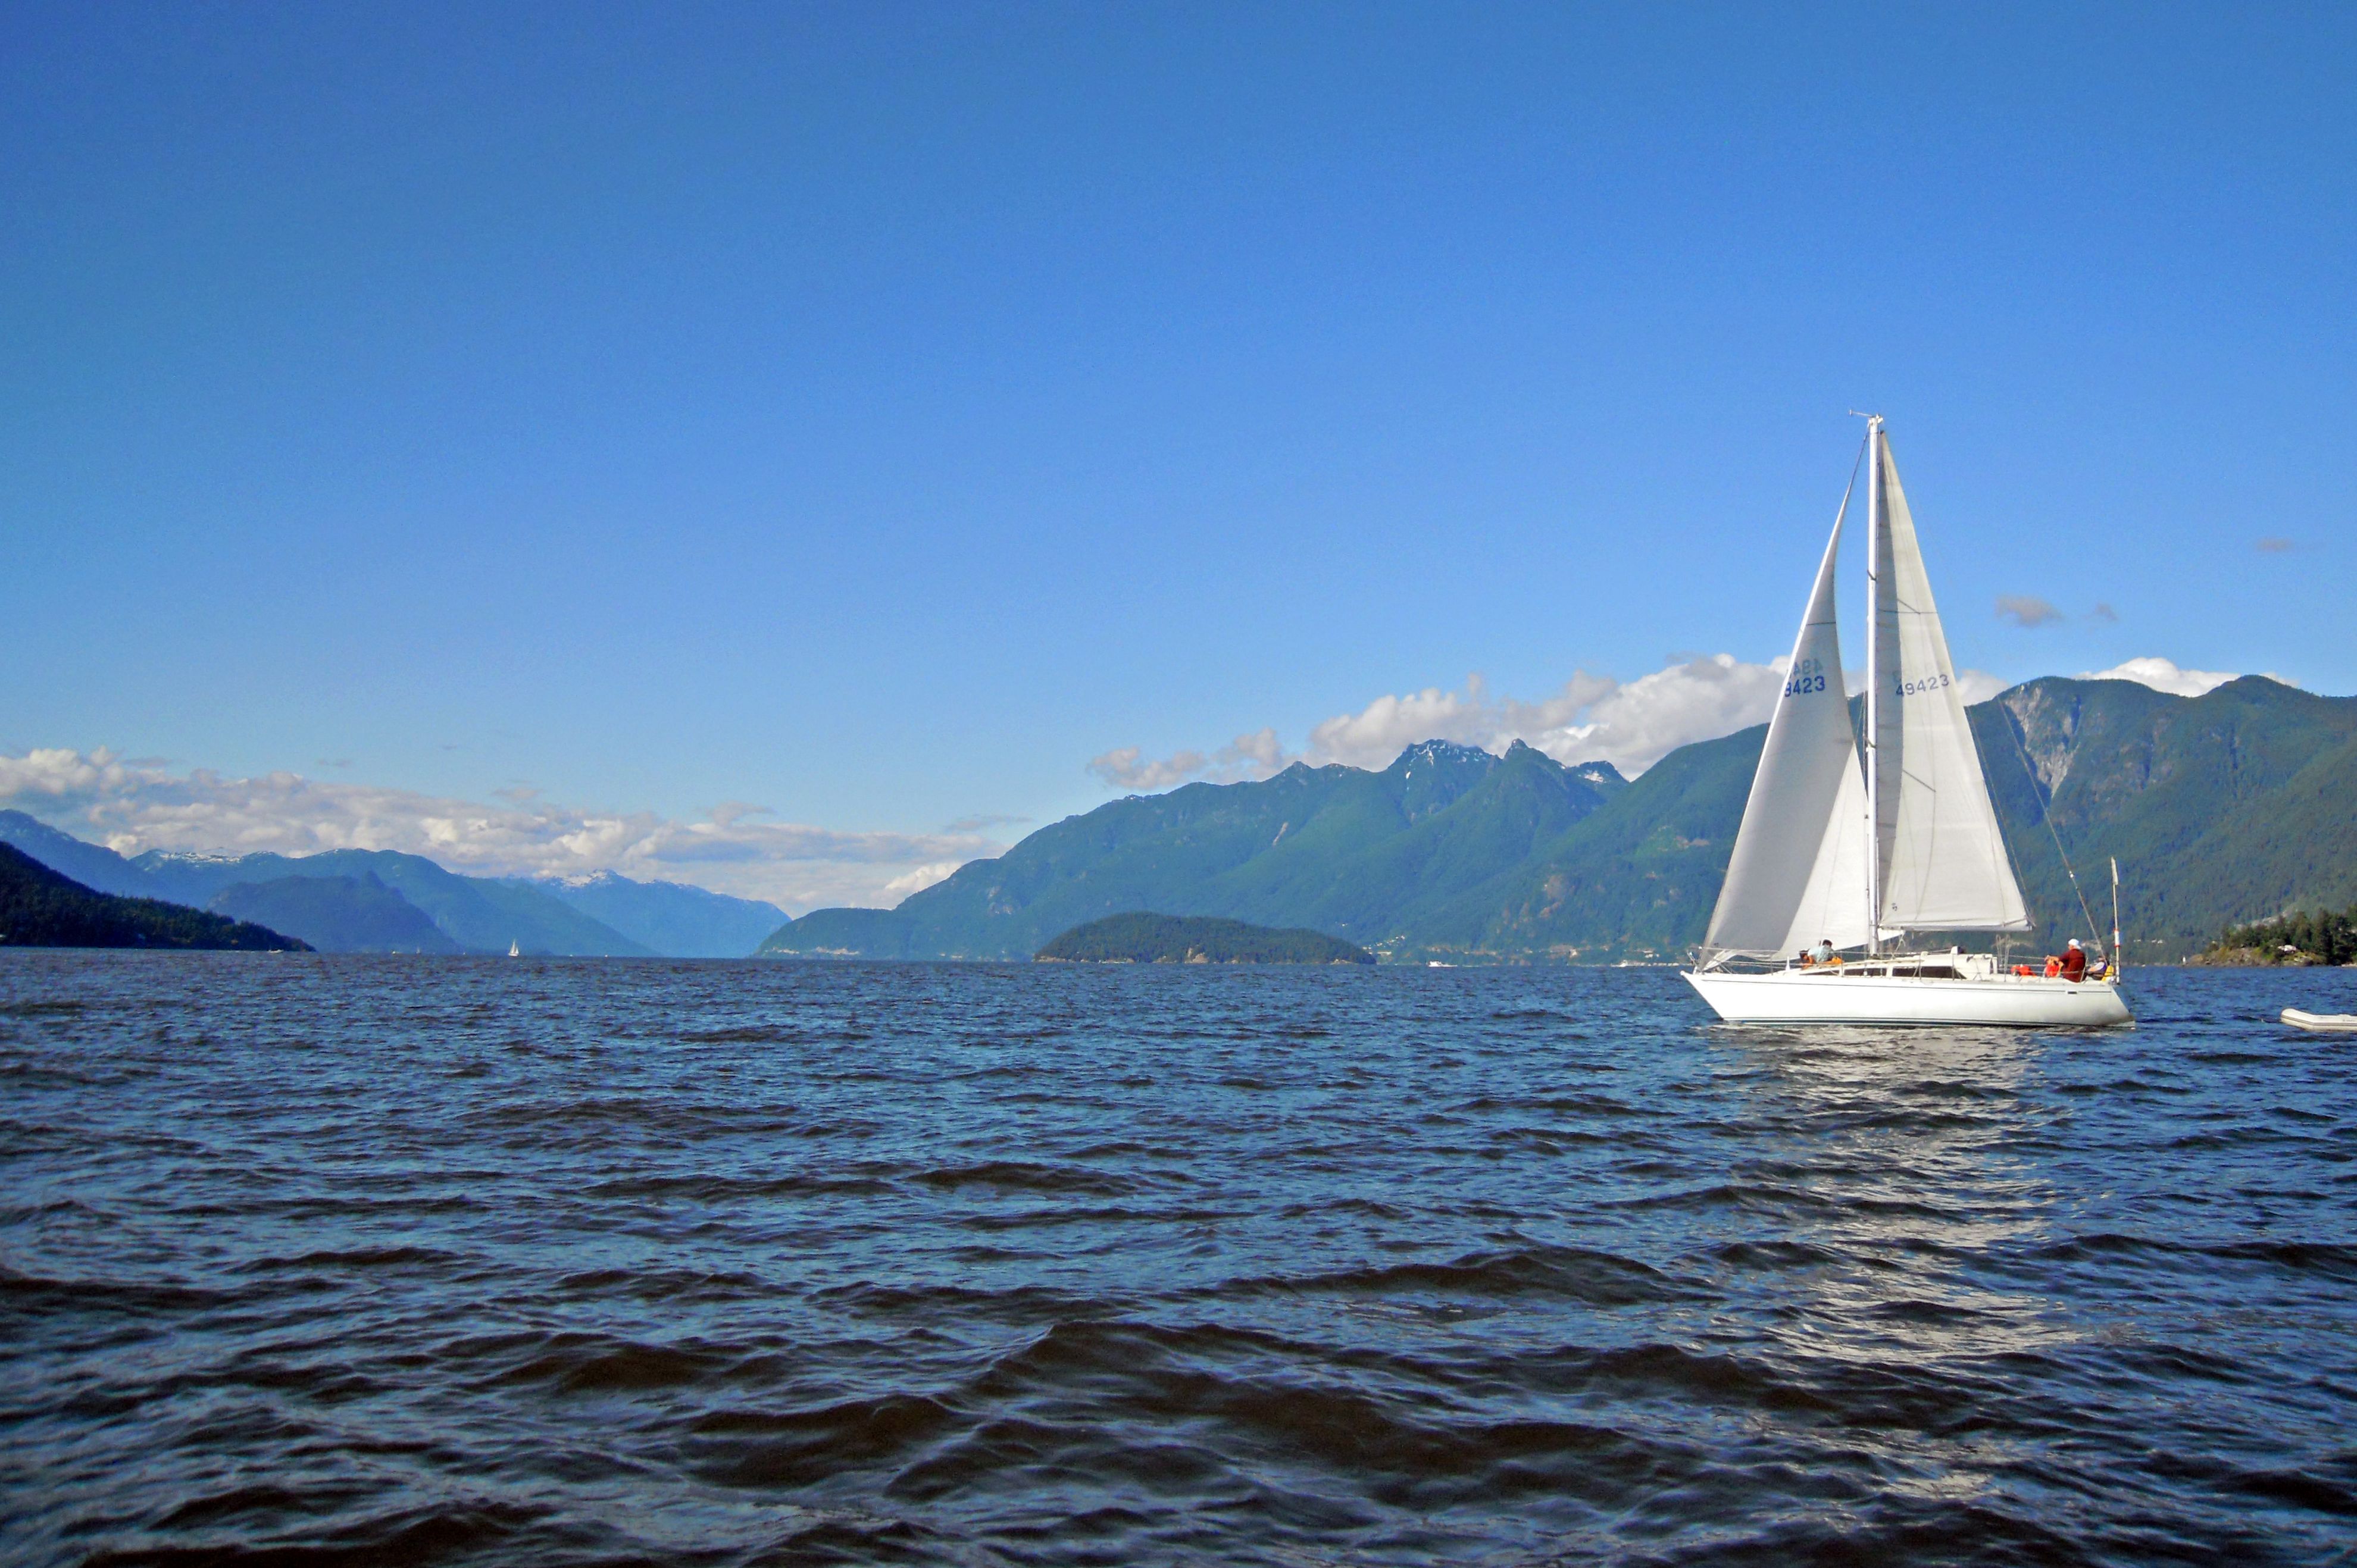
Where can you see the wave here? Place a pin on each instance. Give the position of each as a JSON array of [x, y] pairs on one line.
[[29, 1293], [719, 1189], [1024, 1176], [577, 1361], [2332, 1260], [409, 1535], [407, 1258], [748, 1447], [1600, 1279]]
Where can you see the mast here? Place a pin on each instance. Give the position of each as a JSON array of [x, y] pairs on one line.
[[2116, 960], [1873, 685]]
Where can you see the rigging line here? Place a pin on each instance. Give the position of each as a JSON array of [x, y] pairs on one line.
[[2047, 816], [1855, 465]]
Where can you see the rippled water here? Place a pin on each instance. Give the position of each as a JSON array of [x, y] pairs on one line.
[[513, 1262]]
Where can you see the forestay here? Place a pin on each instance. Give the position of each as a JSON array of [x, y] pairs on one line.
[[1798, 872], [1943, 861]]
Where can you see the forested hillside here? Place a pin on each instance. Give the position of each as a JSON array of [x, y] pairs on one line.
[[1340, 850], [44, 908]]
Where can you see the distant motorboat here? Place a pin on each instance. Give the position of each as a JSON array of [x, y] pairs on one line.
[[1861, 857], [2322, 1022]]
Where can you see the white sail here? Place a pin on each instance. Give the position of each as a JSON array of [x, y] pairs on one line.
[[1798, 872], [1941, 861], [1833, 907]]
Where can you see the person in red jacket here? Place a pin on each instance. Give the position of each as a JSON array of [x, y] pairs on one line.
[[2074, 961]]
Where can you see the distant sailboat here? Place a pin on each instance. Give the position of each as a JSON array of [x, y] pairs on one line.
[[514, 950], [1861, 857]]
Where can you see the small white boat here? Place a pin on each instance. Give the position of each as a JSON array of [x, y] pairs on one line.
[[514, 950], [2322, 1023], [1863, 856]]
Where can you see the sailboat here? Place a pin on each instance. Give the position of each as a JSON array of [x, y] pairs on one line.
[[1871, 856], [514, 950]]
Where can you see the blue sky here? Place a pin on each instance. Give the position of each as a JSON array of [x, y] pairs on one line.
[[873, 413]]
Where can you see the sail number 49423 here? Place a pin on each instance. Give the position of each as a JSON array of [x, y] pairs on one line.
[[1808, 675], [1917, 688]]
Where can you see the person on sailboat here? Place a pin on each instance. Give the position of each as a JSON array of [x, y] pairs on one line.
[[1823, 951], [2074, 961]]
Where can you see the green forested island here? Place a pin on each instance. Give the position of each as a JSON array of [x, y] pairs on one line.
[[40, 909], [2318, 938], [1171, 939]]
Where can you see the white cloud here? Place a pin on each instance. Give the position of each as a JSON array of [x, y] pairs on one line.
[[920, 879], [1257, 751], [2026, 611], [2164, 675], [1977, 685], [1253, 756], [1635, 725], [135, 806], [1126, 767], [1592, 717], [1380, 731]]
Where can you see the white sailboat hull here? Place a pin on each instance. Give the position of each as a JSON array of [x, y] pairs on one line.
[[1835, 996]]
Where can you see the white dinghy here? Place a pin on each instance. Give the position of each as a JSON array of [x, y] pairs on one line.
[[1861, 857], [2322, 1022]]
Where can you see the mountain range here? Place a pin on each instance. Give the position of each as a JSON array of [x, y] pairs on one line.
[[356, 900], [2228, 807]]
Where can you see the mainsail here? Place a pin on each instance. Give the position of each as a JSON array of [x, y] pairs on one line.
[[1939, 861], [1798, 872]]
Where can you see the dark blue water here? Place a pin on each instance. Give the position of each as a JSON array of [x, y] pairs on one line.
[[391, 1261]]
